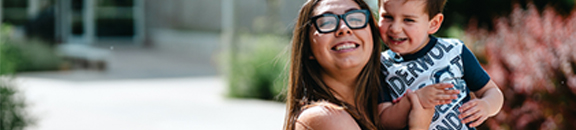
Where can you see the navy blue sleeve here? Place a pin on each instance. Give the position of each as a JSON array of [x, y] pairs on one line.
[[384, 95], [474, 75]]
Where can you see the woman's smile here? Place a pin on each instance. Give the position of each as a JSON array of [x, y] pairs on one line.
[[346, 46]]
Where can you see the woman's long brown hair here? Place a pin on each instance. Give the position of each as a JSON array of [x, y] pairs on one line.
[[305, 85]]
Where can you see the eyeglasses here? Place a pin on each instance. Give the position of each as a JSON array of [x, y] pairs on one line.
[[355, 19]]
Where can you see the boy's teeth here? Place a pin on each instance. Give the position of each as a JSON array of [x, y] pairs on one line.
[[347, 46], [398, 39]]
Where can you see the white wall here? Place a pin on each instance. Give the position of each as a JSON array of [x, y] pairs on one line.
[[206, 14]]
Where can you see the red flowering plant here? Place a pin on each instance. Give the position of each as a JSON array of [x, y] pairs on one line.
[[531, 55]]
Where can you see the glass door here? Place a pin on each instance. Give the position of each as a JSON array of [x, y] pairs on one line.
[[103, 21], [119, 20]]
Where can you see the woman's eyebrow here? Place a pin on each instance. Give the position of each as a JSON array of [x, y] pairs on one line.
[[327, 12], [351, 9], [330, 12]]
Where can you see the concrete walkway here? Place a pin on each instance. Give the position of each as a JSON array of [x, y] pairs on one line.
[[170, 87], [153, 104]]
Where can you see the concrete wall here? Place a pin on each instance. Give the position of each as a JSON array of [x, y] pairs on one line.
[[207, 14]]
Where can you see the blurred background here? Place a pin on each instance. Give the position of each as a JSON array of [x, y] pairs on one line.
[[221, 64]]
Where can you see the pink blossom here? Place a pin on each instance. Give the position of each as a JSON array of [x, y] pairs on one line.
[[532, 58]]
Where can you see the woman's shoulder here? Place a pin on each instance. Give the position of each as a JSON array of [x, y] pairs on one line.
[[325, 115]]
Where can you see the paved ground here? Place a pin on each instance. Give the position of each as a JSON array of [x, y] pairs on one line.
[[172, 87], [154, 104], [175, 54]]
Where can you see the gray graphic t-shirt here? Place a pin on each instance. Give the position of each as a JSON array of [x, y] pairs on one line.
[[441, 61]]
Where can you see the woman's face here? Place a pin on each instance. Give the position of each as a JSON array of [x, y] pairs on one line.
[[345, 48]]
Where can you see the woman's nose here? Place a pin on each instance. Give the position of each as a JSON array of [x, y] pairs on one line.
[[343, 29]]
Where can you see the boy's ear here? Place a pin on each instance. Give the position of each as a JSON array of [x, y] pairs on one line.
[[435, 23]]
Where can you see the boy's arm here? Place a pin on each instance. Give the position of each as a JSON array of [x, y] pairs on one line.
[[490, 98], [491, 94], [394, 116], [488, 104], [420, 117]]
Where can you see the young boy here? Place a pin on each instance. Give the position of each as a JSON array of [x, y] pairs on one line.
[[417, 59]]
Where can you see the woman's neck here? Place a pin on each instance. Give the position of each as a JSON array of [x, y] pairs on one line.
[[343, 85]]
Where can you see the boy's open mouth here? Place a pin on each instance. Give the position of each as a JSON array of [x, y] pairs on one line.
[[397, 39]]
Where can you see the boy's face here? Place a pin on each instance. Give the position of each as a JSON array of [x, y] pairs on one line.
[[405, 26]]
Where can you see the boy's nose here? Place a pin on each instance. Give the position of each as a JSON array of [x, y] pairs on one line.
[[395, 28]]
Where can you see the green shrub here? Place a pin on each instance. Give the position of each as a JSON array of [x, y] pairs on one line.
[[12, 107], [257, 70], [13, 114], [37, 56], [30, 55], [7, 55]]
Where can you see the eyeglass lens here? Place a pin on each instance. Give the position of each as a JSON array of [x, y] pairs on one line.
[[329, 23]]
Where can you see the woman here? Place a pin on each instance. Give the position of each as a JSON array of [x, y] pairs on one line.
[[335, 69]]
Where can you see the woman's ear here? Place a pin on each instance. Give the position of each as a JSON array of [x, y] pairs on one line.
[[435, 22], [311, 57]]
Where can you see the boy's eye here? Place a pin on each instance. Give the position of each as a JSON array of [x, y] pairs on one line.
[[408, 20], [387, 17]]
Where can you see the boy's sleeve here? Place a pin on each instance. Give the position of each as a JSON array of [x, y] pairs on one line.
[[384, 94], [474, 75]]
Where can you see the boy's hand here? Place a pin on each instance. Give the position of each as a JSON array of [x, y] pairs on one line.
[[474, 112], [436, 94], [419, 117]]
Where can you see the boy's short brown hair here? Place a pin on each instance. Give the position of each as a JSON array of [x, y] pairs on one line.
[[432, 7]]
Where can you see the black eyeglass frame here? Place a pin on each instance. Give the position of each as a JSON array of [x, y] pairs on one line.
[[341, 17]]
